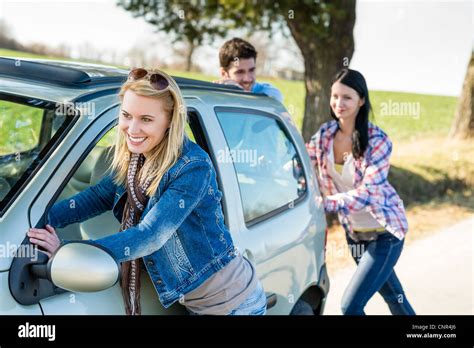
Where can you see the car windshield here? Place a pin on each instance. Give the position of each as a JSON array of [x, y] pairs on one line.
[[28, 129]]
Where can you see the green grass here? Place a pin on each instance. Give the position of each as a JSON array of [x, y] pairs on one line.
[[432, 114], [10, 53], [19, 127], [424, 115]]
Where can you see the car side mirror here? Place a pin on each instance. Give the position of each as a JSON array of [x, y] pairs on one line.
[[80, 267], [83, 267], [76, 266]]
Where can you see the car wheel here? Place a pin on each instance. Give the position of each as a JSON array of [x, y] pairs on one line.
[[302, 308]]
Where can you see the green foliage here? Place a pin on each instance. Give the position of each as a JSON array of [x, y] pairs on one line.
[[198, 21], [19, 127], [188, 20]]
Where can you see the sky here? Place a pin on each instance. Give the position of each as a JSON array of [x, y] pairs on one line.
[[416, 46]]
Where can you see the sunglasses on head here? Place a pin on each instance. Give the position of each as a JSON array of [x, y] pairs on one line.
[[157, 80]]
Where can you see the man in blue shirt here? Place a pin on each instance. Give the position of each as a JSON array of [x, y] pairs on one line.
[[237, 59]]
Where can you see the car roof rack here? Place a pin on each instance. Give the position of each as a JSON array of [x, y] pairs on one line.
[[80, 75]]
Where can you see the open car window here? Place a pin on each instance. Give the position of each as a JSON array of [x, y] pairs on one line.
[[29, 128]]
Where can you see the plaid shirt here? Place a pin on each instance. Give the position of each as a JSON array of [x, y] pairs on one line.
[[372, 190]]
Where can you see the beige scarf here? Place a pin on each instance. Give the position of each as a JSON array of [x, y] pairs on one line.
[[134, 207]]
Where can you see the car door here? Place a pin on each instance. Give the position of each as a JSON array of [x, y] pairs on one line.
[[81, 167], [274, 221], [27, 136]]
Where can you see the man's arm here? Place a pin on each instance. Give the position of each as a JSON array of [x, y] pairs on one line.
[[269, 90]]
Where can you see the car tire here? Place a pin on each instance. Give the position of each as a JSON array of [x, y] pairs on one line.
[[302, 308]]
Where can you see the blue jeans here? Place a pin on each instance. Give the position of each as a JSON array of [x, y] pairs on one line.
[[255, 304], [375, 262]]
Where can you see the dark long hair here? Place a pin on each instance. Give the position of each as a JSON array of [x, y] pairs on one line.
[[360, 136]]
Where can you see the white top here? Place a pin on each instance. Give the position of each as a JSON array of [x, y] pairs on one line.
[[361, 219]]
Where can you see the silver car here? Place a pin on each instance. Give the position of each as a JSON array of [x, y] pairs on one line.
[[57, 125]]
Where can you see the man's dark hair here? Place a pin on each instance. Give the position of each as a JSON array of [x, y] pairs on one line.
[[235, 48]]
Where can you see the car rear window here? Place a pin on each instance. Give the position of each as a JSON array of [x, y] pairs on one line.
[[29, 128], [268, 167]]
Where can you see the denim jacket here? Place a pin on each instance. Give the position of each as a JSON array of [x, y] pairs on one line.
[[181, 235]]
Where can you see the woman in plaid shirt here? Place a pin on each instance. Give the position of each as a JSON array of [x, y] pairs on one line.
[[351, 158]]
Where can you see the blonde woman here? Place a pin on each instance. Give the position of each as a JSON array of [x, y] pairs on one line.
[[163, 189]]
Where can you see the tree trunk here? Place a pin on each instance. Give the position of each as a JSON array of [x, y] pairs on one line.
[[318, 78], [463, 125], [189, 55], [323, 57]]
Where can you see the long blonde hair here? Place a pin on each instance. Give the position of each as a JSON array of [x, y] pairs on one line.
[[164, 155]]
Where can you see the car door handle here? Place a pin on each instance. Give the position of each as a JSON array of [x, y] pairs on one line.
[[271, 300]]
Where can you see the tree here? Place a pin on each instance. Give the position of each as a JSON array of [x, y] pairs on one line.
[[184, 20], [6, 38], [322, 29], [186, 51], [463, 125]]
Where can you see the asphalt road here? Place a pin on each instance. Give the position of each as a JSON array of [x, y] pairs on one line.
[[437, 274]]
